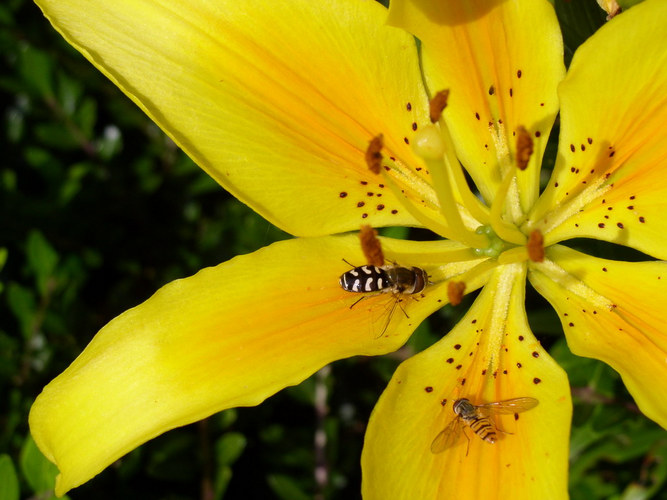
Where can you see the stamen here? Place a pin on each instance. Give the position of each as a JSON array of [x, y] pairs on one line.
[[611, 6], [513, 256], [455, 291], [432, 223], [524, 147], [494, 246], [437, 105], [371, 246], [535, 246], [374, 155], [430, 146], [507, 232]]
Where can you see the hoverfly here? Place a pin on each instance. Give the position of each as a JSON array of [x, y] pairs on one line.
[[392, 279], [480, 419]]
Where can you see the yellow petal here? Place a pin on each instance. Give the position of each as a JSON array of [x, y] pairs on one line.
[[277, 101], [491, 355], [231, 335], [502, 62], [613, 311], [609, 181]]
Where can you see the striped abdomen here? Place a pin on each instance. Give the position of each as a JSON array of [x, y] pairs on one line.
[[483, 427], [365, 279]]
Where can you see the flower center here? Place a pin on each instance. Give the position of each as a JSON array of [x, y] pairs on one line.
[[495, 246]]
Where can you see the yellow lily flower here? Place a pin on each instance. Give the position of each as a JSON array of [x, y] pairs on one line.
[[278, 102]]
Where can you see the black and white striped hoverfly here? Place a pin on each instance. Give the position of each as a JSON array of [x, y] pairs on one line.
[[391, 279], [480, 419]]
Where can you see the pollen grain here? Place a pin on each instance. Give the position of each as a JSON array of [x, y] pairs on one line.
[[371, 246], [524, 148], [374, 154], [438, 105], [455, 290], [535, 246]]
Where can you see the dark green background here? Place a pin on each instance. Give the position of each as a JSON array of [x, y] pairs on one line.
[[99, 209]]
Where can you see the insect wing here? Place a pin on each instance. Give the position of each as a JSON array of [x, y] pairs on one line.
[[506, 407], [448, 437], [383, 315]]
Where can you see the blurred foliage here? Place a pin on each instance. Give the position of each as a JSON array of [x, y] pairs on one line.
[[100, 209]]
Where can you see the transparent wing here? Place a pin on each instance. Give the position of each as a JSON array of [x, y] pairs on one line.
[[506, 407], [383, 314], [448, 437]]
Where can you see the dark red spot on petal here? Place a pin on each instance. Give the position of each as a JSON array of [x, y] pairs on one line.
[[536, 380], [457, 346], [343, 194], [536, 354], [428, 389]]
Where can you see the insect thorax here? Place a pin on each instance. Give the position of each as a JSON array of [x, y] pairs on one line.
[[465, 409], [408, 281]]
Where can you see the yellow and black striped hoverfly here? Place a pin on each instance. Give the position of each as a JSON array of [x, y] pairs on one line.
[[480, 419]]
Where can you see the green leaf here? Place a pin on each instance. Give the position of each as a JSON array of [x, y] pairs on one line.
[[22, 304], [36, 68], [3, 259], [9, 482], [38, 471], [42, 259], [286, 488], [222, 479], [230, 447], [578, 20], [86, 117]]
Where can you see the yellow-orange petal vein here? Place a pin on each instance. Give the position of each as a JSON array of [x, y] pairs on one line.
[[609, 181], [490, 356], [613, 311], [231, 335], [276, 102], [501, 62]]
